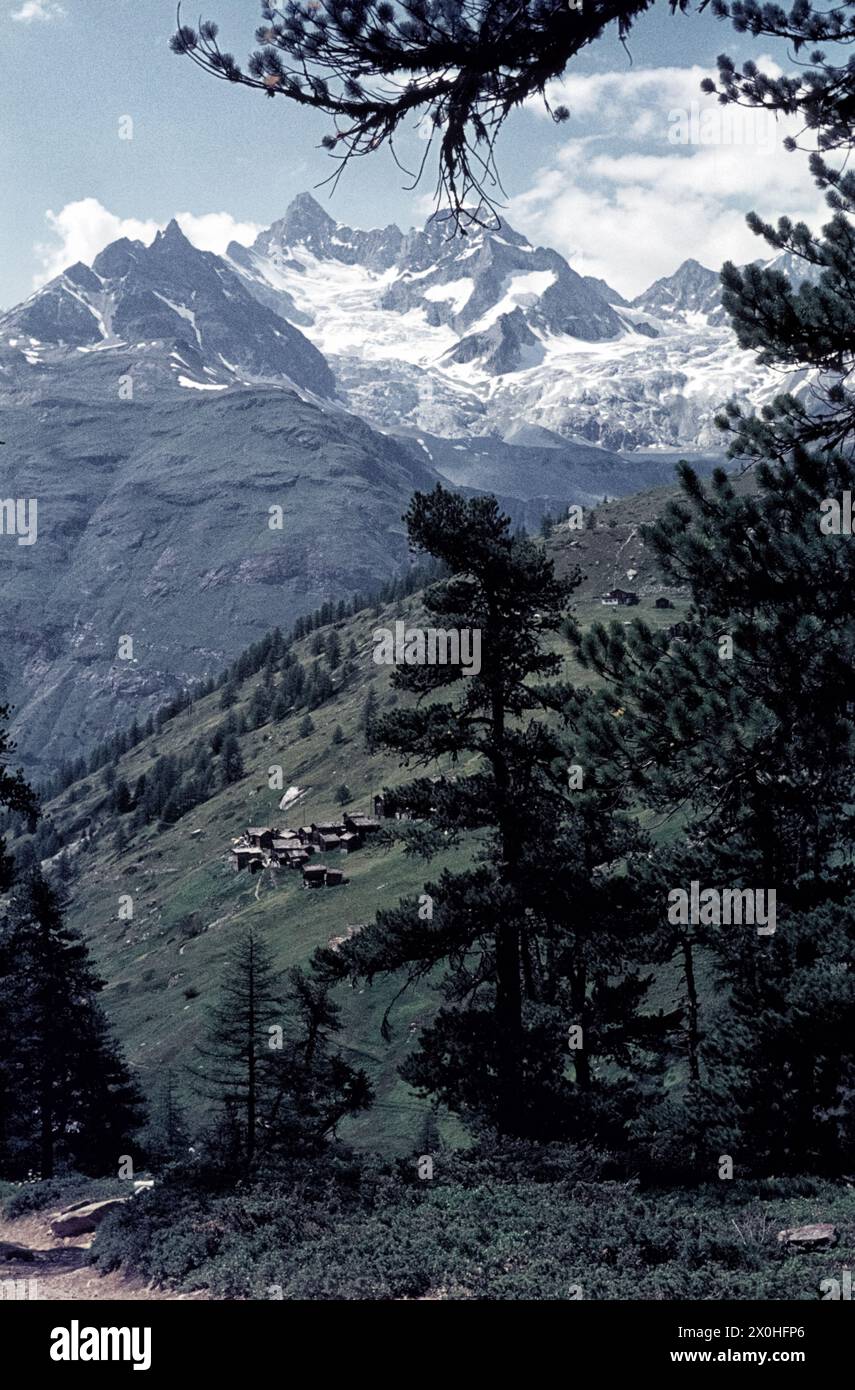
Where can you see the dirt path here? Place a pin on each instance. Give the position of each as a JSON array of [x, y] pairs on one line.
[[55, 1270]]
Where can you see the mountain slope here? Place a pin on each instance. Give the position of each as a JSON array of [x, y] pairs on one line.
[[188, 304], [692, 290], [162, 964], [155, 524]]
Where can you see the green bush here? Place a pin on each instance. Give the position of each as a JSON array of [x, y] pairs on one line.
[[481, 1228], [22, 1198]]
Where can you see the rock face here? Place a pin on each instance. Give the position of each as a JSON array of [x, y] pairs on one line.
[[506, 346], [692, 289], [473, 282], [815, 1237], [153, 523], [306, 223], [84, 1217], [189, 307], [604, 289]]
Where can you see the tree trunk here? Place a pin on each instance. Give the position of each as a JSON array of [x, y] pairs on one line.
[[250, 1069], [508, 954], [692, 997], [45, 1127], [581, 1055]]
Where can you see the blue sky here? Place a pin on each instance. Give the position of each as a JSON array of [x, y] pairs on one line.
[[611, 189]]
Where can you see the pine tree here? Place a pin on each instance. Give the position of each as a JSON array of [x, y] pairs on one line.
[[333, 650], [72, 1099], [167, 1138], [468, 68], [236, 1058], [316, 1088], [16, 795], [369, 714], [745, 724], [229, 694], [531, 937], [231, 761]]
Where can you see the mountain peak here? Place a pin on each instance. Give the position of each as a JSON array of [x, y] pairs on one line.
[[309, 226], [172, 235], [305, 220], [306, 205], [692, 288]]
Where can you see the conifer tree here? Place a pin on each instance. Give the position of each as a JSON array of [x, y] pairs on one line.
[[231, 761], [15, 795], [533, 936], [236, 1058], [746, 721], [167, 1137], [68, 1096], [467, 64], [268, 1063]]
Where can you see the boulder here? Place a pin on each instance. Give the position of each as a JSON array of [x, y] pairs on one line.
[[78, 1220], [815, 1237]]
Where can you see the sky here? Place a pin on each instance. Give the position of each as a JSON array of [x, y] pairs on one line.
[[636, 182]]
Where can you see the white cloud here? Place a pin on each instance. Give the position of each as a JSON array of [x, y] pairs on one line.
[[83, 228], [603, 92], [212, 231], [658, 172], [33, 11]]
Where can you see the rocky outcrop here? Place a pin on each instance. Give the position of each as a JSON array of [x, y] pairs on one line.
[[84, 1217], [818, 1236]]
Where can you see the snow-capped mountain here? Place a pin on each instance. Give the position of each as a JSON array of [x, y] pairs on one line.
[[419, 332], [185, 312], [471, 336], [691, 294], [159, 402]]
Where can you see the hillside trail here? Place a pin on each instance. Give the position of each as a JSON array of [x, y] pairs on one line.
[[58, 1271]]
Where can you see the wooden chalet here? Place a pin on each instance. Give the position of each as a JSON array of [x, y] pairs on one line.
[[327, 843], [620, 598], [244, 857], [326, 828], [361, 824]]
